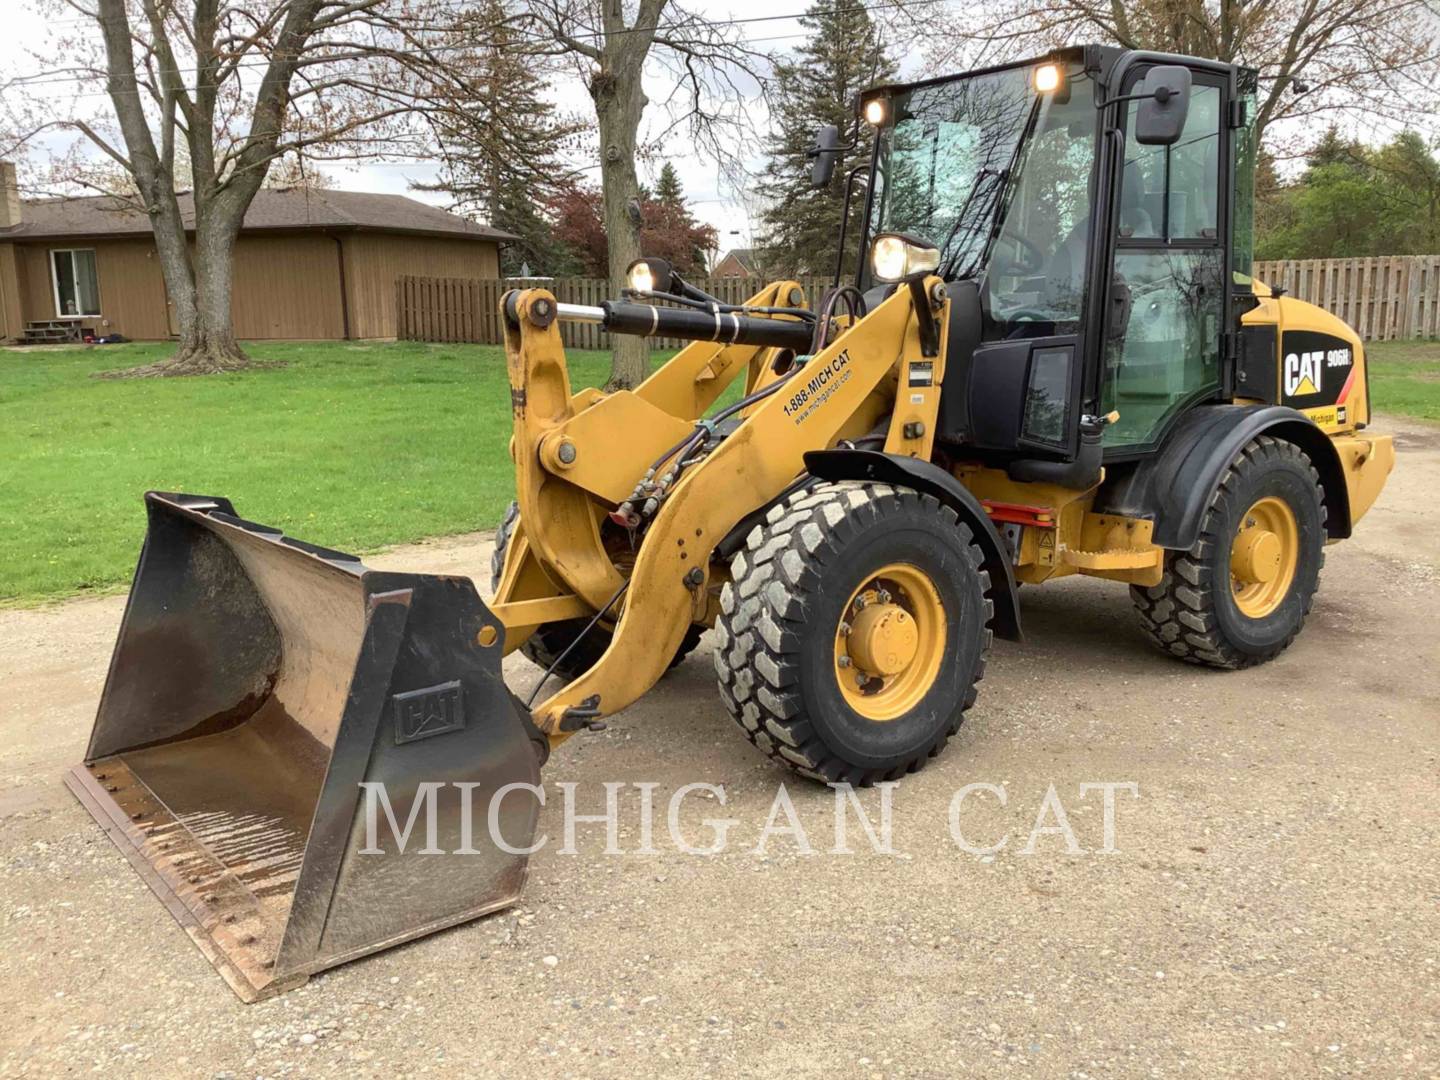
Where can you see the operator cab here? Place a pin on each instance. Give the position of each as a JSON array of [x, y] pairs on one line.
[[1094, 238]]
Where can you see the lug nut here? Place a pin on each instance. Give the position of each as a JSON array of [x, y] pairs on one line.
[[843, 661]]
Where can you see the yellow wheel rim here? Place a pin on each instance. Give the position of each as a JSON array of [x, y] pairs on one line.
[[890, 642], [1263, 557]]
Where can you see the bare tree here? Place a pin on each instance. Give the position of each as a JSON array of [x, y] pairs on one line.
[[1370, 57], [713, 73], [209, 96]]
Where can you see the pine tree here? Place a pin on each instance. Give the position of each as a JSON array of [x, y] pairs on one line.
[[670, 230], [800, 227], [667, 189], [502, 145], [539, 249]]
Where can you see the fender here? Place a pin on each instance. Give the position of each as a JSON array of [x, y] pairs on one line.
[[1174, 487], [932, 480]]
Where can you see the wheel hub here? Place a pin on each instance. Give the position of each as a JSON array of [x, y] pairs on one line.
[[883, 639], [1264, 556], [890, 642], [1256, 556]]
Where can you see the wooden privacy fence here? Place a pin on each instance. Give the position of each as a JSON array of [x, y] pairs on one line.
[[1385, 299], [468, 309]]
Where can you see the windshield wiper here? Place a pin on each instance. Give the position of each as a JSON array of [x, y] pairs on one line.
[[998, 205], [1000, 176]]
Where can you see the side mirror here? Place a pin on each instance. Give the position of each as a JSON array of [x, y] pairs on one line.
[[1164, 97], [826, 153]]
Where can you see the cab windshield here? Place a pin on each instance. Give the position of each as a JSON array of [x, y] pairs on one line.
[[998, 177]]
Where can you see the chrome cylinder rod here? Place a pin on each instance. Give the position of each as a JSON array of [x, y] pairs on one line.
[[579, 313]]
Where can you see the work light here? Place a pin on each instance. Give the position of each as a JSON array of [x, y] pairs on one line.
[[649, 276], [874, 111], [897, 257], [1047, 78]]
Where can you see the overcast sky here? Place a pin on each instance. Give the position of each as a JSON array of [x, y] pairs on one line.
[[710, 199]]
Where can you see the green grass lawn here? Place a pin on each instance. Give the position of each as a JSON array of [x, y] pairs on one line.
[[1405, 377], [352, 446]]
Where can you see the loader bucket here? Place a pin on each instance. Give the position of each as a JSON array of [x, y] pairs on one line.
[[256, 684]]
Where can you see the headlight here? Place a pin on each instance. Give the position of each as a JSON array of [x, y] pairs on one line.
[[1047, 78], [874, 111], [649, 276], [895, 257]]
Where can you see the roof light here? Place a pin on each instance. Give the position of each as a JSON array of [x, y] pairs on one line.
[[874, 111], [1047, 78]]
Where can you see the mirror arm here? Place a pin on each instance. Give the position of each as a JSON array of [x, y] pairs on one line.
[[1128, 97], [815, 151]]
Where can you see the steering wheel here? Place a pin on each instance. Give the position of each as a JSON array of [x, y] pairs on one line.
[[1026, 314], [1028, 259]]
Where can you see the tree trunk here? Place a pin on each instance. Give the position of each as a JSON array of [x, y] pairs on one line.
[[618, 105], [200, 287]]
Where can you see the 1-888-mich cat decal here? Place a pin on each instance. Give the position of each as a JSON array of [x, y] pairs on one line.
[[1316, 370]]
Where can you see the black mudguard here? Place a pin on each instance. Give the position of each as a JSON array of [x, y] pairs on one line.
[[932, 480], [1174, 487]]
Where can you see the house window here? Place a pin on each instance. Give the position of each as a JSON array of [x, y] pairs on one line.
[[77, 291]]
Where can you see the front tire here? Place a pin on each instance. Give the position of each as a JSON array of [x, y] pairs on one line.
[[1241, 593], [854, 631]]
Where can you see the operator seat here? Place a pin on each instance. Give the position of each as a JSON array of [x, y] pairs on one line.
[[1065, 270]]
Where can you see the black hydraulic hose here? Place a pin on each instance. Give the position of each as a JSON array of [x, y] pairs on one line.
[[668, 454], [758, 395], [854, 304], [702, 432], [530, 701]]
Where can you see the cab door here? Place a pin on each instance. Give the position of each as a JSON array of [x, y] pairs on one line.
[[1165, 319]]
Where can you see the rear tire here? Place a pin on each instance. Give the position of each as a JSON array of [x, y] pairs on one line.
[[1203, 611], [787, 630], [550, 641]]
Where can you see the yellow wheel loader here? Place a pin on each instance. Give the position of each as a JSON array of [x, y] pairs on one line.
[[1052, 360]]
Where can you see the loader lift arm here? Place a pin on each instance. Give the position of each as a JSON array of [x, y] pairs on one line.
[[841, 392]]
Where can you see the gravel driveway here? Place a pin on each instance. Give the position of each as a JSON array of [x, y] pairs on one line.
[[1272, 906]]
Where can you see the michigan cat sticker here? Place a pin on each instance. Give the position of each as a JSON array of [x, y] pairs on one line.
[[1317, 371]]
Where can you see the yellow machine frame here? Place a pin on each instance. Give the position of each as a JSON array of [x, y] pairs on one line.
[[578, 455]]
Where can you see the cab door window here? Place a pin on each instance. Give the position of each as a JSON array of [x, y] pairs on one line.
[[1167, 300]]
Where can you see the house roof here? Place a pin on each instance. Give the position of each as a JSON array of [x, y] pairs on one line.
[[744, 256], [272, 208]]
